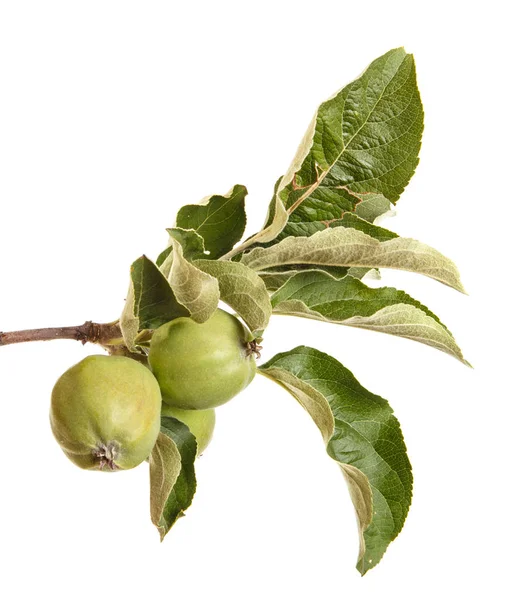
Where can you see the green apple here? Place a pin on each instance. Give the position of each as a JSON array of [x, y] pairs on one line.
[[202, 365], [200, 422], [105, 412]]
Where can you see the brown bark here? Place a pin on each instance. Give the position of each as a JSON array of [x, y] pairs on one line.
[[97, 333]]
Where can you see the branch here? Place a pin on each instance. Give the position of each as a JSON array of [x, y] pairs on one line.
[[96, 333]]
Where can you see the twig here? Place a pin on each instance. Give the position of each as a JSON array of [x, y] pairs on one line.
[[95, 333]]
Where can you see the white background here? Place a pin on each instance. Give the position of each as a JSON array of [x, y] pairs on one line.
[[115, 113]]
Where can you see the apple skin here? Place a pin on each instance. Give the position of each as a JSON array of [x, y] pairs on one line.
[[105, 413], [200, 422], [201, 365]]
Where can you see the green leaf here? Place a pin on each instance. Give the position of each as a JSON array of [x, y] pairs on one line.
[[277, 276], [347, 247], [277, 218], [243, 290], [273, 280], [372, 206], [274, 224], [193, 245], [361, 272], [327, 205], [366, 138], [194, 289], [366, 441], [359, 152], [150, 301], [348, 301], [165, 254], [307, 229], [220, 220], [172, 476]]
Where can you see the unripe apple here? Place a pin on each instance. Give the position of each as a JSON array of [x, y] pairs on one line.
[[200, 422], [202, 365], [105, 412]]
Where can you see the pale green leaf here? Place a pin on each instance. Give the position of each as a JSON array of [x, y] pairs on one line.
[[165, 466], [277, 217], [306, 395], [276, 221], [348, 301], [197, 291], [349, 247], [366, 442], [129, 322], [193, 246], [242, 289]]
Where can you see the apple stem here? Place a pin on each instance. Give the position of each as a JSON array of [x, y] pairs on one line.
[[96, 333], [253, 348]]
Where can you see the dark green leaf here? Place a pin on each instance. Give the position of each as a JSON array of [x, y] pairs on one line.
[[220, 220], [372, 206], [164, 255], [172, 476], [366, 441], [150, 301], [306, 229], [365, 139], [348, 301], [358, 154], [192, 243], [328, 205]]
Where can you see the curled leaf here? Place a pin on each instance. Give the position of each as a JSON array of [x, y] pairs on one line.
[[242, 289], [348, 247], [348, 301], [366, 441], [150, 302], [196, 290], [172, 476]]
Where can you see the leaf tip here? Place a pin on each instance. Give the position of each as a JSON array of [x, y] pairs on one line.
[[240, 189], [162, 534]]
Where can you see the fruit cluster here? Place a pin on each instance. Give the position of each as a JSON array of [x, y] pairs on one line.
[[106, 410]]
